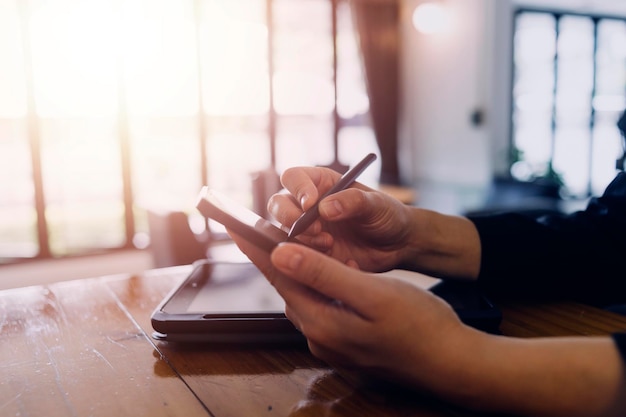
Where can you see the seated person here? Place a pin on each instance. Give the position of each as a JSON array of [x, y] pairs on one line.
[[398, 331]]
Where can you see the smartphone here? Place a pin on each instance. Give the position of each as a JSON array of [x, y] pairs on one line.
[[257, 230], [469, 303]]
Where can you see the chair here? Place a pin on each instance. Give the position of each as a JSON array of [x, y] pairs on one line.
[[172, 242]]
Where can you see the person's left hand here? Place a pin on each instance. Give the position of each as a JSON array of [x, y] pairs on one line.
[[354, 319]]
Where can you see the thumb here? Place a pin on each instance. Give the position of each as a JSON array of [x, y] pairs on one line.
[[349, 203], [327, 276]]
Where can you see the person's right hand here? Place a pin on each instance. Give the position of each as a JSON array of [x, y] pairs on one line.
[[374, 231], [359, 224]]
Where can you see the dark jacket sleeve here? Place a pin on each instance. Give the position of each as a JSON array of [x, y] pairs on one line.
[[620, 343], [580, 256]]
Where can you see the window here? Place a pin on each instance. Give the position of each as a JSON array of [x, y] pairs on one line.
[[108, 108], [569, 91]]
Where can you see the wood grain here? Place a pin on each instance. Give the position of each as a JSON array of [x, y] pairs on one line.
[[266, 381], [70, 350], [84, 348]]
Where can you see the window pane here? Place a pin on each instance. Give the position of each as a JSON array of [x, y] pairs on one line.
[[161, 95], [165, 164], [235, 80], [112, 74], [18, 219], [159, 58], [354, 143], [352, 98], [82, 184], [303, 79], [12, 81], [304, 140], [609, 101], [573, 102], [534, 52], [575, 72], [611, 76], [234, 54], [589, 98], [236, 147], [571, 158], [607, 147], [18, 238], [74, 57], [356, 136], [303, 82]]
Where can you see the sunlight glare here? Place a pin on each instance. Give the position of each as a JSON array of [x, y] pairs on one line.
[[430, 18], [73, 50], [234, 65]]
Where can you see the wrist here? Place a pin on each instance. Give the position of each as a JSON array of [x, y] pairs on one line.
[[460, 378], [539, 377], [453, 372], [442, 245]]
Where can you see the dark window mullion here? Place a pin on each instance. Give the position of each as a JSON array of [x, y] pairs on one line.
[[202, 123], [557, 29], [270, 69], [123, 129], [336, 120], [592, 114], [34, 134]]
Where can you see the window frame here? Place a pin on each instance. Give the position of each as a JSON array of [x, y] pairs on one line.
[[33, 134], [557, 14]]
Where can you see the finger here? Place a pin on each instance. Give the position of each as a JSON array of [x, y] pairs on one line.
[[329, 277], [354, 202], [286, 287], [258, 256], [307, 184], [319, 318], [284, 208]]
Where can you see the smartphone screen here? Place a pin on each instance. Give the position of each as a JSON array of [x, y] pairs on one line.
[[245, 222]]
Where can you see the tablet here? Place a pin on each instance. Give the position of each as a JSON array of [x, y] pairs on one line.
[[223, 302], [233, 303]]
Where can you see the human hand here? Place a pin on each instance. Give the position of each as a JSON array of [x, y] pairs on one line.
[[375, 231], [354, 319], [359, 224], [395, 330]]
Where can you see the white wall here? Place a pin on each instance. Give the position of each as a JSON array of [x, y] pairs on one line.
[[444, 79]]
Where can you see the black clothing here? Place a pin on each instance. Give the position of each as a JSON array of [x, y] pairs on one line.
[[574, 256], [620, 342], [579, 256]]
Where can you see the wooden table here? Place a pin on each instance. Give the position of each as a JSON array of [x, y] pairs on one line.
[[83, 348]]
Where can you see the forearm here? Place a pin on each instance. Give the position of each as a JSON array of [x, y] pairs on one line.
[[442, 245], [540, 377]]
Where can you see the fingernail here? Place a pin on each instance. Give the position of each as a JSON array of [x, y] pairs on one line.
[[289, 260], [303, 200], [331, 208]]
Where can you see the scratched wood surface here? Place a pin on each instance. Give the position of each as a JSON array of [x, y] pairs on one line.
[[83, 348], [278, 381], [70, 349]]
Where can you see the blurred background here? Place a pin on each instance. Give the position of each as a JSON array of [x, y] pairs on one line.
[[114, 113]]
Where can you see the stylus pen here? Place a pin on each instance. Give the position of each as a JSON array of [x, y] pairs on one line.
[[308, 217]]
